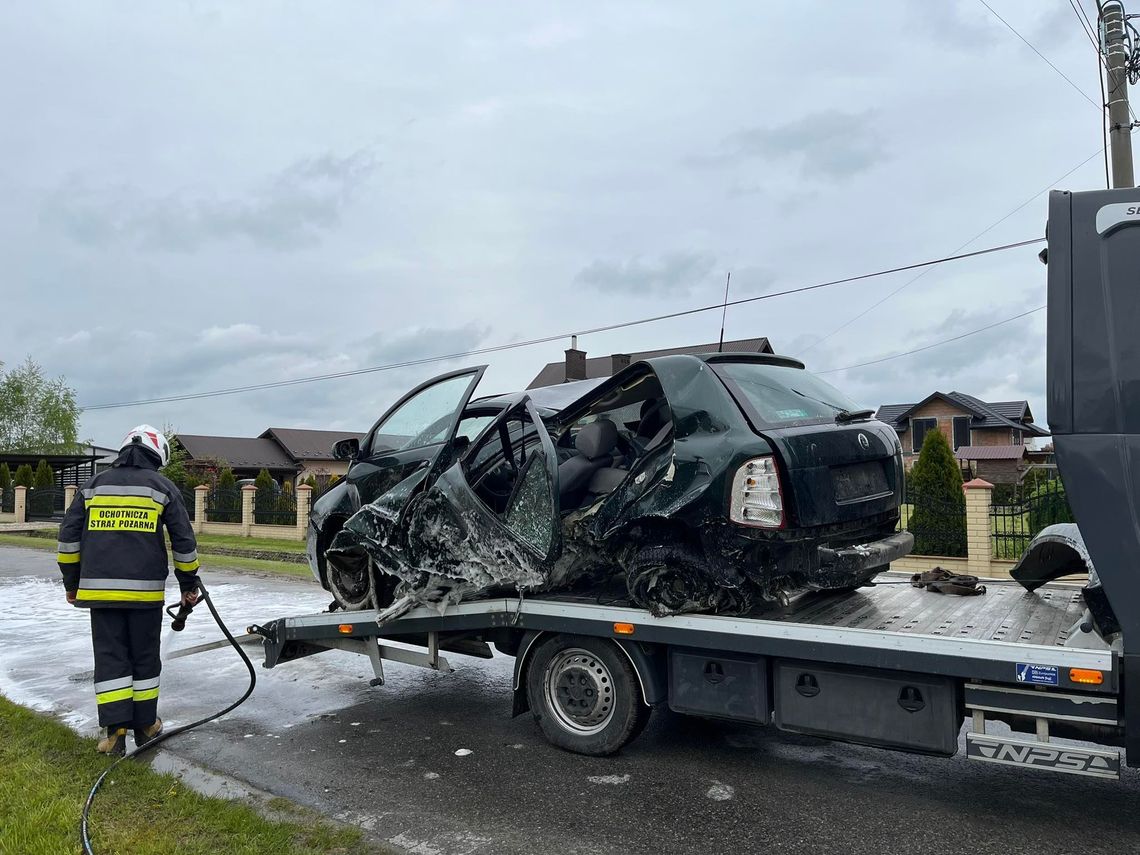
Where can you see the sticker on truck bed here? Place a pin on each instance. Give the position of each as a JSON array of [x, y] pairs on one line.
[[1038, 675]]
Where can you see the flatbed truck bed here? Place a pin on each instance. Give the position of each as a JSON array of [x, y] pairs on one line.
[[889, 665]]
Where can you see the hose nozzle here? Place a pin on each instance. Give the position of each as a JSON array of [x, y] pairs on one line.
[[178, 619]]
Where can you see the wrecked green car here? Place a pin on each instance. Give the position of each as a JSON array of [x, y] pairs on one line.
[[681, 484]]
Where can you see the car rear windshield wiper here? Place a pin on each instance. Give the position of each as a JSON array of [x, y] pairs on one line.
[[844, 416]]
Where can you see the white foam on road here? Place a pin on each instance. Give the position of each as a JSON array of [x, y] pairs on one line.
[[719, 792], [608, 779]]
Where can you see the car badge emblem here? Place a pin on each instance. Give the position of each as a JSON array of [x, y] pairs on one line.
[[863, 441]]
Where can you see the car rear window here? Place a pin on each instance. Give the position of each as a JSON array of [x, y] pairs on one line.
[[781, 396]]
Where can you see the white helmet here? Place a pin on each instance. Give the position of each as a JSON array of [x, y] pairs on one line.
[[150, 438]]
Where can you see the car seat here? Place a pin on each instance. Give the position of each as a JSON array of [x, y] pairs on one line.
[[595, 447]]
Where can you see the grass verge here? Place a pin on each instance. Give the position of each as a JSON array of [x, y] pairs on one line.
[[48, 770], [270, 544], [230, 562]]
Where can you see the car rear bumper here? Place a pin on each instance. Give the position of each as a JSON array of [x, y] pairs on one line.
[[867, 556]]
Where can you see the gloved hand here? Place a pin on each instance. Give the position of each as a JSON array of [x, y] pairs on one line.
[[190, 598]]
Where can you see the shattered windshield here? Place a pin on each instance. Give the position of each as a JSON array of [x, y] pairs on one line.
[[781, 396]]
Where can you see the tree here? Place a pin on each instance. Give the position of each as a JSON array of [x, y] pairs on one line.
[[41, 500], [44, 479], [286, 502], [37, 414], [1048, 505], [265, 499], [934, 487], [225, 504], [5, 478], [24, 476], [175, 468]]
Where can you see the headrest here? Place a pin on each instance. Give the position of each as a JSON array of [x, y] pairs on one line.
[[655, 414], [597, 438]]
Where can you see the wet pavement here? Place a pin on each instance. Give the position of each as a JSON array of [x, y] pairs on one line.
[[434, 764]]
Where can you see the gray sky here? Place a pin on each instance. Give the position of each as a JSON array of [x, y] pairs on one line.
[[201, 195]]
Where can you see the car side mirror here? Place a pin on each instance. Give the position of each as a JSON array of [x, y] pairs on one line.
[[347, 449]]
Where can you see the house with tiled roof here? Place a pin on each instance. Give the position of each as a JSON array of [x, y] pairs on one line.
[[988, 437], [577, 366], [288, 454]]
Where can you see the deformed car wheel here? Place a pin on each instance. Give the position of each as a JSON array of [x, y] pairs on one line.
[[584, 695], [352, 586]]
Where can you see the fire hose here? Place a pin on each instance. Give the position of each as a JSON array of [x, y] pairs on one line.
[[177, 624]]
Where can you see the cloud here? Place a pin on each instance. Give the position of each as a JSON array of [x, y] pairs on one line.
[[673, 274], [240, 354], [551, 34], [420, 343], [1003, 363], [827, 145], [288, 210], [974, 30]]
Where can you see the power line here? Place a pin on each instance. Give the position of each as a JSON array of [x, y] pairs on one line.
[[984, 231], [932, 345], [1101, 67], [1045, 58], [1086, 23], [190, 396]]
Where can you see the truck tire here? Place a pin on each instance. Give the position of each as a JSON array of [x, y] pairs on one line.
[[585, 695]]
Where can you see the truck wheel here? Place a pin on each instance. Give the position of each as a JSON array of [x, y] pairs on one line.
[[585, 695]]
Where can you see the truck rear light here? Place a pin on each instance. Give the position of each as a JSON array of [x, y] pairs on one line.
[[1086, 675], [756, 497]]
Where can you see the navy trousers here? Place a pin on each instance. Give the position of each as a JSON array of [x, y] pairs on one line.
[[126, 644]]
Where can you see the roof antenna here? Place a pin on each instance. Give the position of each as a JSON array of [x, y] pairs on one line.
[[724, 313]]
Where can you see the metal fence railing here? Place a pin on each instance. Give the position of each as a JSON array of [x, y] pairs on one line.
[[1018, 516], [938, 525], [45, 503], [223, 505], [189, 500], [8, 501], [275, 507]]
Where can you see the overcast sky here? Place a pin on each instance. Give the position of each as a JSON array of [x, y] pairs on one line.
[[200, 195]]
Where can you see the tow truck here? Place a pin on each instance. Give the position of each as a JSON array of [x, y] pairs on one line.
[[890, 665]]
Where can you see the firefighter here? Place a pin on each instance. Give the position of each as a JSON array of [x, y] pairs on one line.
[[112, 553]]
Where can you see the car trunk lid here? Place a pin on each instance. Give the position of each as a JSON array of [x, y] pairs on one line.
[[837, 473]]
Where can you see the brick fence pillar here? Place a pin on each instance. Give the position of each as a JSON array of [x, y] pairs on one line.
[[200, 494], [979, 543], [304, 503], [21, 507], [248, 493], [69, 495]]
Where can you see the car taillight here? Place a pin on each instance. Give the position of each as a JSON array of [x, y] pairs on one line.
[[756, 497]]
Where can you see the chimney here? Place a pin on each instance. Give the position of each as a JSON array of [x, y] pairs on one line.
[[618, 361], [575, 362]]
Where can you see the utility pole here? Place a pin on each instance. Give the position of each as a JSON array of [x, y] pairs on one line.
[[1119, 119]]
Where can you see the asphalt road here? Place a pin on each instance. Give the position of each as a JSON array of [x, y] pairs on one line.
[[433, 762]]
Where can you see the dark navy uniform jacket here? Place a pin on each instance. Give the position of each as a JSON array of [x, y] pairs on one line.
[[112, 547]]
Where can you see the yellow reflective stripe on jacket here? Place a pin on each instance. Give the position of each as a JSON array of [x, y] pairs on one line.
[[114, 695], [186, 566], [112, 595], [67, 557], [123, 502], [146, 694]]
